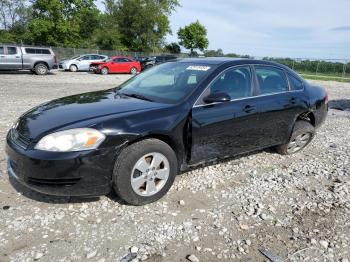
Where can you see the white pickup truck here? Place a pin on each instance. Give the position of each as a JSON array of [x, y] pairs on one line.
[[39, 60]]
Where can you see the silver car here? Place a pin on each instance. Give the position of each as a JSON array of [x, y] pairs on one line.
[[81, 62], [37, 59]]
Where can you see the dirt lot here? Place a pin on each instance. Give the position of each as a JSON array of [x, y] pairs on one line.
[[297, 207]]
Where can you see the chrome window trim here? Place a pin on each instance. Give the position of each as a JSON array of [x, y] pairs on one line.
[[195, 105]]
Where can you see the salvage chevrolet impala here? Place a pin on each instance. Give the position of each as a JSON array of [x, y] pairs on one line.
[[137, 137]]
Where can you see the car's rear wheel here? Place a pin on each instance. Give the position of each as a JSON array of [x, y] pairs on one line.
[[104, 71], [144, 172], [133, 71], [73, 68], [41, 69], [303, 133]]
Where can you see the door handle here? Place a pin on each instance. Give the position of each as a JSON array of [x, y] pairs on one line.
[[249, 109], [2, 56], [292, 101]]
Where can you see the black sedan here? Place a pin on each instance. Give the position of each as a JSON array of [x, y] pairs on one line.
[[137, 137]]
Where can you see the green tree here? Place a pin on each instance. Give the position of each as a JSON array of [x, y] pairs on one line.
[[210, 53], [173, 48], [142, 24], [193, 36], [60, 22]]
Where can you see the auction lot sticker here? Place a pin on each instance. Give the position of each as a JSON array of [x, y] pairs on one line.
[[198, 68]]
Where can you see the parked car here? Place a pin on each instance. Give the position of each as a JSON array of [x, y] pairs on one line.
[[81, 62], [164, 58], [119, 64], [135, 138], [37, 59], [146, 62], [94, 65]]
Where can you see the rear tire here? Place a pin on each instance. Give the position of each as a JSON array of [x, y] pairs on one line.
[[133, 71], [41, 69], [302, 135], [144, 172]]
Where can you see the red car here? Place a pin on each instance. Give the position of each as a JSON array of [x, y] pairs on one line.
[[117, 64]]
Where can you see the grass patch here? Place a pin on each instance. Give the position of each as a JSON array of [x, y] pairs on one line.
[[326, 78]]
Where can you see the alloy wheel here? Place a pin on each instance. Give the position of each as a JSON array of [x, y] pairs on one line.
[[150, 174], [298, 143]]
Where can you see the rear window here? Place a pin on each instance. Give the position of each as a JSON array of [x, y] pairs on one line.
[[271, 80], [41, 51], [295, 83]]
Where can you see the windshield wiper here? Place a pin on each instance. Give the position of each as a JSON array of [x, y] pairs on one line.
[[138, 96]]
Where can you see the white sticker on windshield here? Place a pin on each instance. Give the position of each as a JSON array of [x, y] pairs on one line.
[[198, 68]]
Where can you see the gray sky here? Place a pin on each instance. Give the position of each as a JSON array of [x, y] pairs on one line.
[[279, 28]]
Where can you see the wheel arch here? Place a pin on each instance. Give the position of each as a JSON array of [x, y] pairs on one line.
[[179, 152], [307, 116], [41, 62]]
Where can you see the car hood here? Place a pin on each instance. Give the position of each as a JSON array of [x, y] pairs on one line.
[[70, 110]]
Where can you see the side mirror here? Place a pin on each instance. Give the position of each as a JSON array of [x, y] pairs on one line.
[[217, 98]]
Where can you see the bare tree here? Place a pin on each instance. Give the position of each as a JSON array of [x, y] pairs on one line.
[[10, 12]]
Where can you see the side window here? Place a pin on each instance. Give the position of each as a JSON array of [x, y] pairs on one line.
[[30, 50], [295, 83], [11, 50], [2, 51], [235, 82], [271, 80], [87, 57]]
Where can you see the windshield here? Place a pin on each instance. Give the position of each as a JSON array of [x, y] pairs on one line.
[[166, 83], [75, 57]]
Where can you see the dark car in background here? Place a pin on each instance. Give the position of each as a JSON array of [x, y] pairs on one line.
[[146, 62], [137, 137], [39, 60], [164, 58]]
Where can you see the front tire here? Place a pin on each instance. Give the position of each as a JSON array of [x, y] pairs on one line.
[[144, 172], [104, 71], [73, 68], [303, 133], [41, 69]]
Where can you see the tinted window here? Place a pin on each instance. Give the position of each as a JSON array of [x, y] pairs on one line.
[[167, 83], [87, 57], [271, 80], [235, 82], [2, 50], [295, 83], [37, 51], [122, 60], [11, 50]]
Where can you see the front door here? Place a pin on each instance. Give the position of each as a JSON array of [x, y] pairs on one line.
[[12, 58], [226, 128]]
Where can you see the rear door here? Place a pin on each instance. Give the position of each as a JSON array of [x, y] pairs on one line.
[[278, 104], [227, 128], [2, 57], [12, 58]]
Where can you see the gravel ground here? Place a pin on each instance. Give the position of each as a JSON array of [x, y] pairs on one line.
[[296, 208]]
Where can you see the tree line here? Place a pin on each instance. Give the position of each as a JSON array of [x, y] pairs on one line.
[[125, 25]]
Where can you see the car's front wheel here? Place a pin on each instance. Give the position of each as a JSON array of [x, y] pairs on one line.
[[303, 133], [104, 71], [144, 172], [73, 68]]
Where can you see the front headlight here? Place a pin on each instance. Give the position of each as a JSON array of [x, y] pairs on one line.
[[78, 139]]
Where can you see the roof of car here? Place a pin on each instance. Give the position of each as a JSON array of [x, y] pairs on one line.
[[224, 60]]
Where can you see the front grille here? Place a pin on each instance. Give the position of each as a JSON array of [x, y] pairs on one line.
[[19, 139], [53, 182]]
